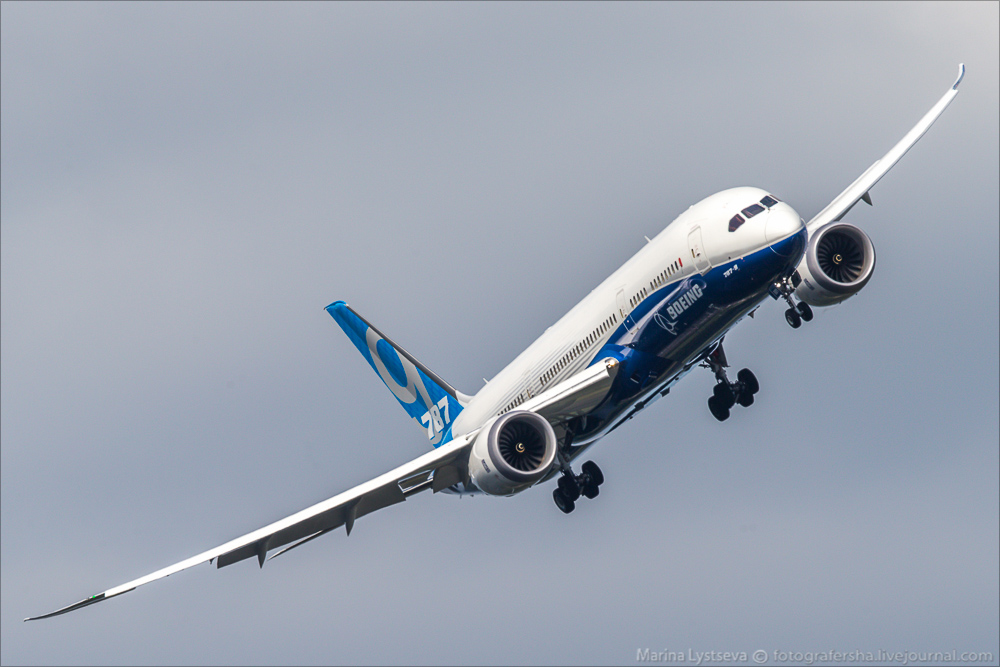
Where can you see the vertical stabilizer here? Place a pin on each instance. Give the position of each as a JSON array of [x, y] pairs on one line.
[[429, 400]]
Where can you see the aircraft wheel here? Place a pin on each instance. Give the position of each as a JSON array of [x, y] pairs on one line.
[[564, 504], [569, 488], [591, 490], [724, 395], [591, 470], [749, 380], [793, 318], [745, 399], [805, 311], [718, 410]]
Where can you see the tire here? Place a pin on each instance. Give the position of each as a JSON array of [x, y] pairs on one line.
[[591, 470], [717, 409], [569, 488], [724, 394], [805, 311], [591, 490], [745, 399], [793, 318], [564, 504], [749, 380]]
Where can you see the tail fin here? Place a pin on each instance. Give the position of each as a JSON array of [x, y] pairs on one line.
[[429, 400]]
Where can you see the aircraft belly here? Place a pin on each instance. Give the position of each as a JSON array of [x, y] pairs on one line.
[[673, 330]]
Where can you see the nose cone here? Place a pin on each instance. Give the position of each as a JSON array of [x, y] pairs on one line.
[[784, 231]]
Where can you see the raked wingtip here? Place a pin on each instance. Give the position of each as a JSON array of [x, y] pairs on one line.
[[93, 599], [65, 610]]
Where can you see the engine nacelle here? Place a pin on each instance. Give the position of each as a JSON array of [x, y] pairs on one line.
[[512, 453], [839, 261]]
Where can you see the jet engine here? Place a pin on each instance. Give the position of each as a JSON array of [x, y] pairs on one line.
[[838, 262], [512, 453]]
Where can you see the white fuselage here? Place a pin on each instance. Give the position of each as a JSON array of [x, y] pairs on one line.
[[694, 244]]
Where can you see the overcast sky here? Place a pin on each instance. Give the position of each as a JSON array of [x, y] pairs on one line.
[[185, 187]]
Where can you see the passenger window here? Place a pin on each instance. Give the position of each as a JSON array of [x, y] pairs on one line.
[[769, 201], [752, 210], [735, 222]]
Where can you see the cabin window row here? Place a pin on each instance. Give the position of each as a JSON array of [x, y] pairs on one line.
[[659, 280], [581, 347], [637, 299], [578, 349], [513, 404], [662, 276]]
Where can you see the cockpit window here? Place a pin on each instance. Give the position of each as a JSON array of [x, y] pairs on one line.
[[735, 222], [769, 201], [752, 210]]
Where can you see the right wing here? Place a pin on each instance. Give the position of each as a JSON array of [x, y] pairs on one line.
[[858, 190], [437, 470]]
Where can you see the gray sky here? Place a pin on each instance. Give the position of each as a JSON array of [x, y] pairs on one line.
[[184, 187]]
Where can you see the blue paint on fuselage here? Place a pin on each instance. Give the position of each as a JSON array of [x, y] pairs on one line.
[[676, 326]]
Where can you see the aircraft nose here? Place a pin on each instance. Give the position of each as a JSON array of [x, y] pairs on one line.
[[782, 223]]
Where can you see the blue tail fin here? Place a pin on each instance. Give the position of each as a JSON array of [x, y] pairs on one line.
[[429, 400]]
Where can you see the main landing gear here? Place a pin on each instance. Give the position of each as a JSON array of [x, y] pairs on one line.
[[570, 486], [797, 313], [726, 394]]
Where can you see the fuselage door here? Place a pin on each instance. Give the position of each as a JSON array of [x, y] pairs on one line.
[[697, 248], [623, 310]]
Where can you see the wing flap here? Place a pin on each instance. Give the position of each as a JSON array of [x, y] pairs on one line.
[[329, 520], [335, 517]]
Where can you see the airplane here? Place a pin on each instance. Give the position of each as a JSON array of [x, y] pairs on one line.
[[664, 312]]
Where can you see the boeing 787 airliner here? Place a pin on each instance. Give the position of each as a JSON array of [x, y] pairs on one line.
[[663, 313]]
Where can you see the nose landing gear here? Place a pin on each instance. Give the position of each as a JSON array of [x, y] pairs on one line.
[[726, 394], [797, 313]]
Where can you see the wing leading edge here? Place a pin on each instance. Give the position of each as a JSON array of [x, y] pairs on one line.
[[436, 470], [858, 190]]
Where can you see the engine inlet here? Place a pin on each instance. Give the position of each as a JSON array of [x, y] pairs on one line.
[[840, 256], [522, 445]]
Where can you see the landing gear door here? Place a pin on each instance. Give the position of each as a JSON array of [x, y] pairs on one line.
[[623, 311], [697, 248]]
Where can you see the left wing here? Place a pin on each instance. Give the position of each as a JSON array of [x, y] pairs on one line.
[[858, 190], [437, 470]]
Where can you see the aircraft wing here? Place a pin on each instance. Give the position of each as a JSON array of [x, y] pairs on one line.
[[437, 470], [858, 190], [576, 395]]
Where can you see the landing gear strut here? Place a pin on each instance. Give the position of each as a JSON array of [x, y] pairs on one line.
[[726, 394], [797, 313], [570, 486]]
